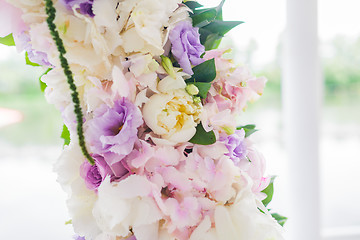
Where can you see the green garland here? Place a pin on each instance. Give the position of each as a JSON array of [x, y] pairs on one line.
[[51, 12]]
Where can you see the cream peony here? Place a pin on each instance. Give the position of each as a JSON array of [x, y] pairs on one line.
[[173, 116]]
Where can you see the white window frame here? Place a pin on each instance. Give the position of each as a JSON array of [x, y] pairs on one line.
[[302, 95]]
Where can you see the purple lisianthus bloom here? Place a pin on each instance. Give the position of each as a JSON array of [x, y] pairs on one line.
[[186, 46], [95, 174], [91, 175], [113, 131], [85, 6], [236, 146]]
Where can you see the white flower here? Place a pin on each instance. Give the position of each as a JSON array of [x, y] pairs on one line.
[[242, 219], [125, 204], [169, 83], [172, 115], [81, 199], [105, 21]]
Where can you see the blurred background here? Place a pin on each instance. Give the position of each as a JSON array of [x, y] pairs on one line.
[[32, 204]]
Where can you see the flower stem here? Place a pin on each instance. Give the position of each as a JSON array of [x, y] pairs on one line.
[[51, 12]]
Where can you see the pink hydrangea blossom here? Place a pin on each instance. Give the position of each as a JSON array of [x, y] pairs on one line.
[[234, 86]]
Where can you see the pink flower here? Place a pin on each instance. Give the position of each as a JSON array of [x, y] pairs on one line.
[[185, 213], [10, 19], [138, 158], [217, 114], [256, 170], [234, 86]]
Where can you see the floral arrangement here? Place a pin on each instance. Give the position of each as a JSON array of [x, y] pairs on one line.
[[152, 148]]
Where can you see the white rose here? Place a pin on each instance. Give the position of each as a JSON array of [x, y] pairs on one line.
[[172, 115]]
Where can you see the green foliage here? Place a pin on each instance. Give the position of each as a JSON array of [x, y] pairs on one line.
[[65, 134], [202, 137], [193, 4], [203, 17], [7, 40], [42, 84], [211, 40], [210, 22], [269, 191], [249, 129], [280, 219], [28, 62], [221, 27], [204, 74], [203, 88]]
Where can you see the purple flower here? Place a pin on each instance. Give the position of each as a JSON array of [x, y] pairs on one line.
[[113, 131], [186, 46], [95, 174], [91, 175], [236, 146], [85, 6], [79, 238]]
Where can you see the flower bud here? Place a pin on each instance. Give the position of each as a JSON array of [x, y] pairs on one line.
[[192, 89], [168, 66], [229, 130], [197, 100]]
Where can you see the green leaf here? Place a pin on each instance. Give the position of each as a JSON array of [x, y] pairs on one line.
[[219, 15], [202, 137], [221, 27], [269, 191], [7, 40], [65, 135], [204, 18], [204, 72], [42, 84], [28, 62], [219, 7], [249, 129], [212, 41], [203, 88], [68, 222], [280, 219], [216, 13], [192, 5]]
